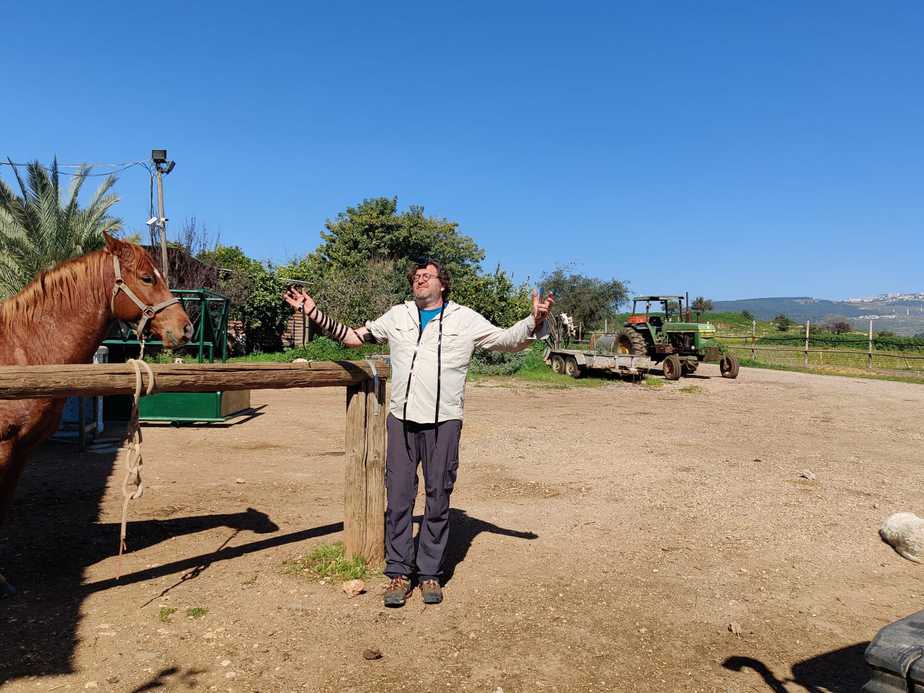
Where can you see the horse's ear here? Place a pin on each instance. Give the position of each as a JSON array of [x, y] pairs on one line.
[[119, 248], [113, 245]]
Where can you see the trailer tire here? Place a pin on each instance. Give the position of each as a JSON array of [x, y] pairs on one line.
[[728, 366], [689, 367], [629, 341], [558, 364], [572, 368], [671, 367]]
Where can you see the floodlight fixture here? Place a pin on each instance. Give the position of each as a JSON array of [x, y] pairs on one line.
[[159, 156]]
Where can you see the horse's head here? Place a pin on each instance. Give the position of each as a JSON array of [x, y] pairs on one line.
[[135, 269]]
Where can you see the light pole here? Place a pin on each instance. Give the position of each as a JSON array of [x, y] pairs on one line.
[[163, 167]]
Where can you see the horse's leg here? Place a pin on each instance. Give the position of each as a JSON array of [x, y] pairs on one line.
[[11, 464]]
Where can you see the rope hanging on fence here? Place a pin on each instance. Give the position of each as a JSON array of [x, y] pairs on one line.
[[133, 458]]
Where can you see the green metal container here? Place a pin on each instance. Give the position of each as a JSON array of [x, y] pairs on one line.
[[193, 406]]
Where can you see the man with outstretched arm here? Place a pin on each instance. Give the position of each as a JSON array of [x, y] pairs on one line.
[[431, 340]]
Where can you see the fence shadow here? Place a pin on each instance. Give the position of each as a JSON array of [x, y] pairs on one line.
[[53, 534], [838, 671]]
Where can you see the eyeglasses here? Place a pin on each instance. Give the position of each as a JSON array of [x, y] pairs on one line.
[[423, 277]]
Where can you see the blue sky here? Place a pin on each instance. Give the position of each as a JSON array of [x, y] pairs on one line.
[[729, 149]]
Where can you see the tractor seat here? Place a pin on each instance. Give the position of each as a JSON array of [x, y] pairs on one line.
[[637, 319]]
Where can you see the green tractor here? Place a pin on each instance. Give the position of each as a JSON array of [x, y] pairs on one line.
[[667, 336]]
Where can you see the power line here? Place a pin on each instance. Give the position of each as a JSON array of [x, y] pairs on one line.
[[116, 168]]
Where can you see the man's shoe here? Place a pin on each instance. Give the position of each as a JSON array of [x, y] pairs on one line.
[[431, 591], [397, 591]]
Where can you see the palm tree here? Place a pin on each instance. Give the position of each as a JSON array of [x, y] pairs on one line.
[[41, 228]]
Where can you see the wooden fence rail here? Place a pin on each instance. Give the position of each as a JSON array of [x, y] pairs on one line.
[[750, 343], [24, 382], [366, 411]]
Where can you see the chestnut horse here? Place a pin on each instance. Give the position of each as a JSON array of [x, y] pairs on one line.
[[62, 317]]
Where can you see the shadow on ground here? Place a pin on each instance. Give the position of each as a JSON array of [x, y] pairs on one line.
[[53, 534], [463, 528], [838, 671]]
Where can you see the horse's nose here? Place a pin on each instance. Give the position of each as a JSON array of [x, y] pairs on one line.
[[188, 331]]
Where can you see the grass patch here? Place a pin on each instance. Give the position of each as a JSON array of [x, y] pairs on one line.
[[196, 612], [653, 383], [841, 372], [328, 562], [691, 389], [165, 613]]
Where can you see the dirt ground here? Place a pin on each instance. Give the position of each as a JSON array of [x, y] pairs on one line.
[[603, 539]]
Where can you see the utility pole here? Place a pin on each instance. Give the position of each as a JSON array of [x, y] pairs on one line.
[[163, 167]]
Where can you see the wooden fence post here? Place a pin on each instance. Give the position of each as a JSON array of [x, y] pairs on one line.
[[805, 355], [753, 340], [869, 353], [364, 489]]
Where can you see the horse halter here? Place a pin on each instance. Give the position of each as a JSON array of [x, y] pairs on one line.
[[147, 311]]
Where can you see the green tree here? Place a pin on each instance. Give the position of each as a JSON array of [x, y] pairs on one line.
[[355, 294], [375, 229], [255, 289], [838, 327], [359, 268], [44, 225], [495, 296], [782, 323], [588, 300], [702, 304]]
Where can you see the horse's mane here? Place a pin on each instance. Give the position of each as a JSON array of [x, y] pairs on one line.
[[65, 286]]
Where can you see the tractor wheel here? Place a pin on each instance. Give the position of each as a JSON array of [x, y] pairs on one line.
[[728, 366], [689, 367], [558, 364], [572, 368], [672, 368], [629, 341]]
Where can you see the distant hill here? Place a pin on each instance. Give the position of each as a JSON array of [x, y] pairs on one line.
[[796, 307], [900, 315]]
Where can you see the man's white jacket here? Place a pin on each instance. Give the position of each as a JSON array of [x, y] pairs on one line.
[[424, 363]]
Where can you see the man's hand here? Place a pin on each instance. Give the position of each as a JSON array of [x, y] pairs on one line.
[[299, 299], [541, 308]]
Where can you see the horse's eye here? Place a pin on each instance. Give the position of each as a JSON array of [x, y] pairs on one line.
[[147, 279]]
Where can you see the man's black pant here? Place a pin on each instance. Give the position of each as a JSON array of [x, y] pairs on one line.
[[436, 448]]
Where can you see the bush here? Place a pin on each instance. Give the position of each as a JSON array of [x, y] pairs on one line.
[[320, 349], [503, 363], [782, 323], [838, 327]]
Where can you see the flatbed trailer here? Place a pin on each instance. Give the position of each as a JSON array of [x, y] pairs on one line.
[[575, 362]]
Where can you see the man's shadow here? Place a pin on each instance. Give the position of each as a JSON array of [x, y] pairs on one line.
[[463, 529], [838, 671]]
